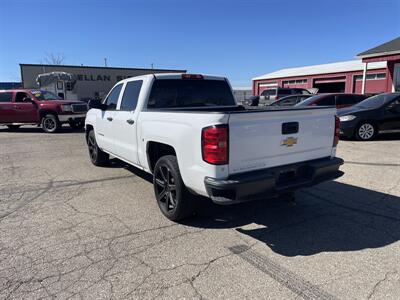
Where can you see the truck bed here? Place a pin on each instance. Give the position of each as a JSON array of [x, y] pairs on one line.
[[238, 109], [256, 136]]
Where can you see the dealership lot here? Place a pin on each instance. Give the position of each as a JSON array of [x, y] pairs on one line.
[[69, 229]]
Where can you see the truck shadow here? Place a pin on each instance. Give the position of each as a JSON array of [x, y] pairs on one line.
[[330, 217]]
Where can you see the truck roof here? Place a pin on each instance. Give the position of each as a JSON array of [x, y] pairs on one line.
[[174, 76], [179, 76]]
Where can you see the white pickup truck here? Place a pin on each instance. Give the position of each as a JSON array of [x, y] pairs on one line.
[[188, 131]]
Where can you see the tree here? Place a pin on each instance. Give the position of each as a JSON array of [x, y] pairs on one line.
[[54, 58]]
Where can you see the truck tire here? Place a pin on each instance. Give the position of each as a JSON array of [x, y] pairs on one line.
[[366, 131], [173, 198], [50, 123], [97, 156], [13, 127]]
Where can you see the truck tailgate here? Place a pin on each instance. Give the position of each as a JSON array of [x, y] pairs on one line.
[[266, 139]]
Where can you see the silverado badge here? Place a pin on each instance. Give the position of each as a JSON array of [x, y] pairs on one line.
[[289, 142]]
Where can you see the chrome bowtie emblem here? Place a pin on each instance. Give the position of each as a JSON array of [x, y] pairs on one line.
[[289, 142]]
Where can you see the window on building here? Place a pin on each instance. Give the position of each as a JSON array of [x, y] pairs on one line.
[[371, 76], [6, 97], [297, 81], [131, 95], [301, 81]]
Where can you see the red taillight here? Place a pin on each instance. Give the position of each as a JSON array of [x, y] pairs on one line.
[[192, 76], [215, 144], [337, 131]]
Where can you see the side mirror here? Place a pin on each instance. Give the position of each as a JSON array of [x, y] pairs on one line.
[[27, 100], [97, 105], [395, 108]]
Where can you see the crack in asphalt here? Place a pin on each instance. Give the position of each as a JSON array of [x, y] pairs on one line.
[[67, 183], [376, 286], [55, 185], [25, 202]]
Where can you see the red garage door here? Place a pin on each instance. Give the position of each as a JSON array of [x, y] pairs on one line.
[[330, 85]]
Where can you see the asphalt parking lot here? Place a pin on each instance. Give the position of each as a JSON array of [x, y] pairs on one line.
[[72, 230]]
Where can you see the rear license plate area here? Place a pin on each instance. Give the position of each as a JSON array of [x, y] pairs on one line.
[[286, 176], [290, 128]]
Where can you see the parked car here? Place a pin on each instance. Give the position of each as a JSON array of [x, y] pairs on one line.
[[188, 131], [366, 119], [252, 101], [38, 107], [270, 95], [291, 100], [339, 100]]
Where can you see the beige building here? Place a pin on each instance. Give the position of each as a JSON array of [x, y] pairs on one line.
[[91, 82]]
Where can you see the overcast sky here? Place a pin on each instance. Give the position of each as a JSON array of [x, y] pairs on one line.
[[240, 39]]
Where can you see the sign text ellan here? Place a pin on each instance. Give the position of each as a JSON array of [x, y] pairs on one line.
[[92, 77]]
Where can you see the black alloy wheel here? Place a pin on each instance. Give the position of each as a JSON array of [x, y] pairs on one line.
[[165, 188], [173, 198], [97, 156]]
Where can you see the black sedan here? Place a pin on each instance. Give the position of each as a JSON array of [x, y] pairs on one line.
[[369, 117]]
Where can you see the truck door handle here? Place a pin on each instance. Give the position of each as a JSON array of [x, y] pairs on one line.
[[109, 119], [130, 121]]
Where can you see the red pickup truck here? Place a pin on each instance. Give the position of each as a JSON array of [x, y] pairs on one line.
[[39, 107]]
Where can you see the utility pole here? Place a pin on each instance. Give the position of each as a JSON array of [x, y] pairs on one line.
[[105, 61]]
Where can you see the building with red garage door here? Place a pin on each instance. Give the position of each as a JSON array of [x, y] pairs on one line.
[[388, 53], [376, 71]]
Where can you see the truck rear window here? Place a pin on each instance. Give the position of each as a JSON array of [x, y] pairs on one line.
[[177, 93]]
